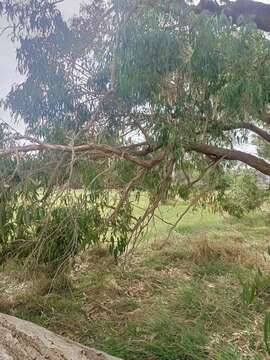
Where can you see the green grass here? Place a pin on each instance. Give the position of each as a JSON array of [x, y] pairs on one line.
[[204, 222], [175, 299], [193, 222]]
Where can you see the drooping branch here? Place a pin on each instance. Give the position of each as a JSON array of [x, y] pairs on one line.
[[230, 154], [257, 11], [100, 149], [103, 150]]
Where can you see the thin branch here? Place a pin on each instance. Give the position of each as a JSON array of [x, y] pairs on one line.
[[144, 220], [125, 193], [71, 167], [204, 172], [155, 215], [195, 200]]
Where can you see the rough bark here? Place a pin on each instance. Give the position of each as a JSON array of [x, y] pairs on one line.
[[258, 11], [22, 340]]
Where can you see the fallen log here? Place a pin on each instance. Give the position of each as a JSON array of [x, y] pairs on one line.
[[23, 340]]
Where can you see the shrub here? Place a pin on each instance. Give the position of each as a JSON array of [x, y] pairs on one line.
[[243, 195]]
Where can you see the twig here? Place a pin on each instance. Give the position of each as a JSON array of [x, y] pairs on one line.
[[195, 200], [155, 215], [125, 194]]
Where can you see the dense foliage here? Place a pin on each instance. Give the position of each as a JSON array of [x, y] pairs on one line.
[[127, 96], [242, 194]]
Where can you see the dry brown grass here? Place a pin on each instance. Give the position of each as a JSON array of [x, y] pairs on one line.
[[230, 251]]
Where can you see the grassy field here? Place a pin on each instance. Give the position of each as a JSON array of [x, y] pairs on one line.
[[174, 299]]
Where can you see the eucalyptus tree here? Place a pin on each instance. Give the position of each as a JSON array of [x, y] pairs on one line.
[[122, 97]]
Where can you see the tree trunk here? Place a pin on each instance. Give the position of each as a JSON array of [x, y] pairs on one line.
[[22, 340]]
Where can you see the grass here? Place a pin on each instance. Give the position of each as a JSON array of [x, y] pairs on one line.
[[175, 299]]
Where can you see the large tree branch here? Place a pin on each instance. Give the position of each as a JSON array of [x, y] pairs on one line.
[[100, 149], [249, 126], [230, 154], [123, 152], [258, 11], [262, 133]]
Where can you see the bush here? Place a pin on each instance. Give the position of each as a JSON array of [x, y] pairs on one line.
[[243, 195], [51, 233]]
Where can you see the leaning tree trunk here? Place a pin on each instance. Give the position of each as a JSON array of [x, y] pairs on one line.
[[22, 340]]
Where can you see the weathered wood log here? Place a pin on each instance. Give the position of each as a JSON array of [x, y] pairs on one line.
[[23, 340]]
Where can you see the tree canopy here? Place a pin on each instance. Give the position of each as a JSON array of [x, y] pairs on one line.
[[124, 96]]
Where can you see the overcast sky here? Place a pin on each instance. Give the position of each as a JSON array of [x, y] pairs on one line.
[[8, 72]]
